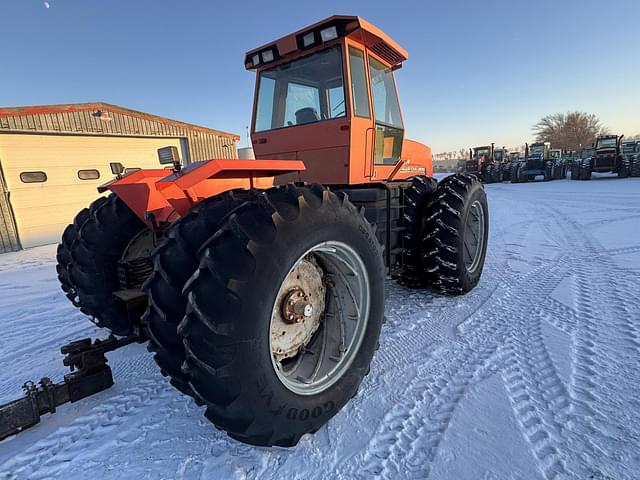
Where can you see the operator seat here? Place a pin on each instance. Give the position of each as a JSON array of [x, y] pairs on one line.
[[306, 115]]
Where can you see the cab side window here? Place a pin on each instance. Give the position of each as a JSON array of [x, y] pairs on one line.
[[359, 90], [386, 108]]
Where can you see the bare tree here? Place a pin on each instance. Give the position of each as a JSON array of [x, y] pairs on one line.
[[569, 131]]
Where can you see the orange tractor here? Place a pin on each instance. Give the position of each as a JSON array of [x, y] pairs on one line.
[[260, 283]]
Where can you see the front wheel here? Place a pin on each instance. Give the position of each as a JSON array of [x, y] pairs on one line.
[[623, 170], [456, 235], [284, 314]]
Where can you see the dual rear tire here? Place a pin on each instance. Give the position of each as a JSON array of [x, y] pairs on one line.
[[266, 306], [88, 257]]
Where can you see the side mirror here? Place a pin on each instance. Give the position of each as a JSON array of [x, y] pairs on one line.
[[116, 168]]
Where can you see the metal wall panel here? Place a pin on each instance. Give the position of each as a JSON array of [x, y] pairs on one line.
[[105, 119], [8, 232]]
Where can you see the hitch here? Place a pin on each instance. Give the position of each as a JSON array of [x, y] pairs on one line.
[[89, 374]]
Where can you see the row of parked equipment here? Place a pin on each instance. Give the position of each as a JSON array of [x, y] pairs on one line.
[[609, 153]]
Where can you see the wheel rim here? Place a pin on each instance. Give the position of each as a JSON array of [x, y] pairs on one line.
[[314, 340], [474, 237]]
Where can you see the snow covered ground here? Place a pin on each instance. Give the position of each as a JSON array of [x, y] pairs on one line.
[[533, 375]]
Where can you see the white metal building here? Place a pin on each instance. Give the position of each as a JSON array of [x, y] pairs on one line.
[[52, 158]]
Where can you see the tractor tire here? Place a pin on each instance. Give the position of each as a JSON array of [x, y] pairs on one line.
[[453, 260], [515, 178], [623, 171], [522, 178], [238, 298], [635, 167], [93, 270], [497, 173], [575, 171], [485, 174], [585, 171], [63, 254], [174, 261], [548, 172], [506, 173], [417, 198]]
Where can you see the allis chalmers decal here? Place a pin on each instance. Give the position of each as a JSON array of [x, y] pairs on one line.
[[413, 169]]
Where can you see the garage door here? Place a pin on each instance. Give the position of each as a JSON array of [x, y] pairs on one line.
[[50, 178]]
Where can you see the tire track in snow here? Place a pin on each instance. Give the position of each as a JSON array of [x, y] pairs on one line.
[[50, 454], [604, 330], [399, 433]]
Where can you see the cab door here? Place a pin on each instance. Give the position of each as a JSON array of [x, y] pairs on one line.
[[362, 126], [389, 128]]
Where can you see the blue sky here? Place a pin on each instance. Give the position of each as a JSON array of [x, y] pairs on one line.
[[478, 71]]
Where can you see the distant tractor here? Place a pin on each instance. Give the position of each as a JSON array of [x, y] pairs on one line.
[[537, 162], [501, 158], [631, 155], [558, 163], [263, 295], [606, 158], [578, 166], [481, 163], [510, 163]]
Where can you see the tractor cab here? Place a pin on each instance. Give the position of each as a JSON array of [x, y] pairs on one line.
[[501, 155], [326, 95], [482, 154], [587, 153], [629, 147], [555, 153], [537, 154]]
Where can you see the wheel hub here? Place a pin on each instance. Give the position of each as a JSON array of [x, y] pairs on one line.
[[302, 302], [296, 307]]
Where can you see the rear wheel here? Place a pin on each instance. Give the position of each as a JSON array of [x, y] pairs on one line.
[[548, 171], [575, 170], [585, 170], [284, 314], [174, 261], [417, 198], [456, 234], [100, 243], [506, 172], [63, 253], [515, 177], [635, 167], [623, 170]]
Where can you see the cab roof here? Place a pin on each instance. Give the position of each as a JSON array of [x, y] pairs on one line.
[[346, 26]]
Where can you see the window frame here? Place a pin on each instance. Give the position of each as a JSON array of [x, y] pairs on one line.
[[365, 79], [88, 170], [46, 178], [371, 57], [337, 45]]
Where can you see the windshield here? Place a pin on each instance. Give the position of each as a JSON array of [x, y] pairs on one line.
[[607, 142], [629, 147], [303, 91], [538, 148], [498, 154], [556, 154], [480, 152], [587, 153], [535, 155]]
